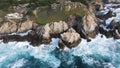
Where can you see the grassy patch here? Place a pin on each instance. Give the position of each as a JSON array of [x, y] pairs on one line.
[[79, 11], [45, 16], [5, 9]]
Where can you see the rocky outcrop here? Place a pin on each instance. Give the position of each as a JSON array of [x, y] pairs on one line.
[[51, 30], [24, 26], [69, 32], [8, 27], [11, 26], [87, 26], [98, 5], [90, 25], [114, 26], [70, 39]]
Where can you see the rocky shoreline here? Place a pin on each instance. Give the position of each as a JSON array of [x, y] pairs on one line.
[[70, 32]]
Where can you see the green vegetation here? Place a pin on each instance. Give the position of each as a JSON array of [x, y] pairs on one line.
[[45, 13], [45, 16]]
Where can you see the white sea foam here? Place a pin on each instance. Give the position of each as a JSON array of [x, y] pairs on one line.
[[12, 50], [91, 53], [18, 63], [21, 34], [99, 48]]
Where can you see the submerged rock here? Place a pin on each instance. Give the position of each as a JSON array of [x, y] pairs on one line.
[[107, 15], [114, 26], [70, 39]]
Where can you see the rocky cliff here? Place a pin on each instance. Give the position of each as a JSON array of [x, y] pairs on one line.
[[70, 31]]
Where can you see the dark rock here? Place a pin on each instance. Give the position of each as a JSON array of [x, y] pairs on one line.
[[106, 16]]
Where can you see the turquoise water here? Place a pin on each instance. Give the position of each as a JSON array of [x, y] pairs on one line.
[[99, 53]]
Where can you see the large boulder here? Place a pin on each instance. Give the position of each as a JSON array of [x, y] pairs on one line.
[[70, 39], [58, 27]]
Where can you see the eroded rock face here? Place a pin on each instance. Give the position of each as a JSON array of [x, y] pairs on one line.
[[58, 27], [99, 5], [27, 25], [70, 39], [87, 26], [8, 27], [90, 25], [11, 26], [51, 29]]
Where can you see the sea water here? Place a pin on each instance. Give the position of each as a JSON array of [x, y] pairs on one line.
[[101, 52]]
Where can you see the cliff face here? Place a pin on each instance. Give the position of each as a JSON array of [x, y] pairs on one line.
[[80, 22]]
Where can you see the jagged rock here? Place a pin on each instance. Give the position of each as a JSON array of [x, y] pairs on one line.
[[74, 21], [70, 39], [27, 25], [86, 26], [106, 16], [107, 33], [51, 29], [99, 5], [8, 27], [58, 27], [114, 26], [90, 25]]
